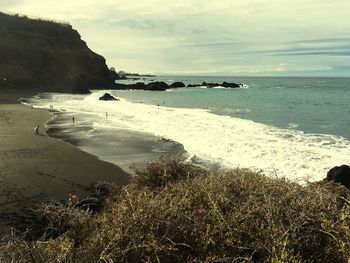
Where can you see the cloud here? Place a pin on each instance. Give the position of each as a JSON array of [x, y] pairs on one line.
[[233, 37], [317, 53]]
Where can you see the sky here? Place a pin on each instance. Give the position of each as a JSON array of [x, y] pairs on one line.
[[208, 37]]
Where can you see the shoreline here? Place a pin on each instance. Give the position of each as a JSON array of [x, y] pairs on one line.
[[38, 168], [216, 140], [123, 148]]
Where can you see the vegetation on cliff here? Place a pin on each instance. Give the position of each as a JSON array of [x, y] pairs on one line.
[[48, 56], [175, 212]]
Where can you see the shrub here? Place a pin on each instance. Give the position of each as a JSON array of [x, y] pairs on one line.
[[187, 214], [223, 217], [164, 170]]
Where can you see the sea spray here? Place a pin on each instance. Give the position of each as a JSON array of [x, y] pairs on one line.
[[230, 141]]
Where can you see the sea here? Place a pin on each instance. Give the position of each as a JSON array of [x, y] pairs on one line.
[[291, 127]]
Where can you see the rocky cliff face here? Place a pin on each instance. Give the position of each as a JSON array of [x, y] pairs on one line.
[[47, 56]]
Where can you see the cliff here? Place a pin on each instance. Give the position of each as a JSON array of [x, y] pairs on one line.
[[48, 56]]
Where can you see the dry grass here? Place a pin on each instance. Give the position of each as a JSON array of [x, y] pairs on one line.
[[173, 212]]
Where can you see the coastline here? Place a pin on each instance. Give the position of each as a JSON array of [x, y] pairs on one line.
[[123, 148], [38, 168]]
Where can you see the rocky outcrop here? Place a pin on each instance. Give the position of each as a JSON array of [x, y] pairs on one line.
[[48, 56], [107, 96], [177, 85], [339, 174], [213, 85], [158, 86], [230, 85], [155, 86]]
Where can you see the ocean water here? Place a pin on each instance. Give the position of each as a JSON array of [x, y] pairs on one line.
[[290, 127]]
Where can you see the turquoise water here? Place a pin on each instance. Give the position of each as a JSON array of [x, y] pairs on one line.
[[312, 105], [291, 127]]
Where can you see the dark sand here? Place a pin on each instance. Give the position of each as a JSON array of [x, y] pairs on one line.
[[37, 168], [127, 150]]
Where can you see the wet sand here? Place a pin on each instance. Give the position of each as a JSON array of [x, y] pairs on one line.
[[37, 168]]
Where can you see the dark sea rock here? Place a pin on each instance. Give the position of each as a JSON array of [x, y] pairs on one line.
[[213, 85], [137, 86], [120, 77], [177, 84], [107, 96], [230, 85], [158, 86], [339, 174], [193, 85], [155, 86]]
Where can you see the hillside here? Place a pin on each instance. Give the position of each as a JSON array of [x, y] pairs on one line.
[[48, 56]]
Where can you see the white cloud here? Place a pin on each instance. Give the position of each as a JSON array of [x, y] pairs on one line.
[[208, 36]]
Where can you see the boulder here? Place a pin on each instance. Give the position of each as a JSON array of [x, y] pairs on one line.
[[107, 96], [177, 84], [158, 86], [139, 85], [230, 85], [213, 85], [339, 174], [193, 85]]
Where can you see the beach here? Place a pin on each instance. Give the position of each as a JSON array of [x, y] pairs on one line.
[[37, 168]]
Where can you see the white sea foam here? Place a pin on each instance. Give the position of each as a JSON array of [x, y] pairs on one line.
[[292, 125], [232, 111], [233, 142]]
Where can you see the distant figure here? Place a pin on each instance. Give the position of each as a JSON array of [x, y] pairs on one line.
[[106, 115], [73, 119], [51, 107], [72, 200], [36, 130]]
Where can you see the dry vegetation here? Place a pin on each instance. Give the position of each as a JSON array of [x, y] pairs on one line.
[[174, 212]]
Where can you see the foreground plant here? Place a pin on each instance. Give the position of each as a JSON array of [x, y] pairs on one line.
[[175, 212]]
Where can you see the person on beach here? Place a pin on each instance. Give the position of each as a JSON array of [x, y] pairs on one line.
[[36, 130], [73, 119], [106, 115], [72, 200]]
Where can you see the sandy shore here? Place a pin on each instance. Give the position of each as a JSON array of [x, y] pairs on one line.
[[37, 168]]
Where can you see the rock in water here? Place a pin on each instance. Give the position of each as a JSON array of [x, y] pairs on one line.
[[155, 86], [339, 174], [213, 85], [177, 84], [107, 96], [158, 86], [230, 85]]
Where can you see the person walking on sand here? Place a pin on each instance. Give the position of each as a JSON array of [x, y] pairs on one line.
[[73, 119], [36, 130]]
